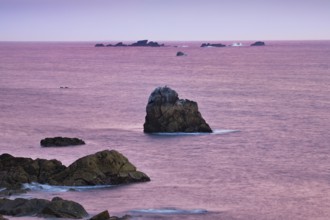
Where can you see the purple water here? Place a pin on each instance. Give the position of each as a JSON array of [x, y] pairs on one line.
[[274, 163]]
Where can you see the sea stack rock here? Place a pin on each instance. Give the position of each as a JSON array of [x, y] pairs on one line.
[[167, 113]]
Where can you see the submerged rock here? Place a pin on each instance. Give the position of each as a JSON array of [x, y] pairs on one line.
[[258, 43], [58, 208], [167, 113], [99, 45], [180, 53], [102, 168], [106, 216], [60, 142]]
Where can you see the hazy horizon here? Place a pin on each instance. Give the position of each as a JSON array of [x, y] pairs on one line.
[[159, 20]]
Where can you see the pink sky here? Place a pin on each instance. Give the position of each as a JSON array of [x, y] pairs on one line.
[[91, 20]]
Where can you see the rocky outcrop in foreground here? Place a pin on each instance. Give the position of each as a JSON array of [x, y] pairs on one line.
[[258, 43], [61, 142], [57, 208], [102, 168], [167, 113]]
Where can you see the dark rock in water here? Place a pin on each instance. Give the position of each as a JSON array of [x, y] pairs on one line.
[[258, 43], [120, 44], [102, 168], [140, 43], [58, 208], [60, 142], [167, 113], [101, 216], [15, 171], [106, 216], [109, 45], [22, 207], [64, 87], [154, 44], [99, 45], [179, 54], [212, 45]]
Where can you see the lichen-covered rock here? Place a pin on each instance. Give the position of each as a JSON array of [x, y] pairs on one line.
[[167, 113], [102, 168], [61, 142]]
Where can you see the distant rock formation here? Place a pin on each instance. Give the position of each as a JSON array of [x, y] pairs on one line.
[[56, 208], [140, 43], [212, 45], [258, 43], [102, 168], [60, 142], [180, 53], [167, 113], [99, 45]]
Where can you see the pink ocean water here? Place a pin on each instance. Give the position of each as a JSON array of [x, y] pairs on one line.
[[274, 101]]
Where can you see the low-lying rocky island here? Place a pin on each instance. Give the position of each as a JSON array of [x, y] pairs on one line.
[[167, 113], [61, 142], [140, 43]]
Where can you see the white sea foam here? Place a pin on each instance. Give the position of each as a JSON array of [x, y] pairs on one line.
[[215, 132], [50, 188], [169, 211]]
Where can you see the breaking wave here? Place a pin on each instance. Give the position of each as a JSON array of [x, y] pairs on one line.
[[51, 188], [169, 211], [215, 132]]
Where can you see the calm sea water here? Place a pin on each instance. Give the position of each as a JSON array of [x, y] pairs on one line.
[[273, 164]]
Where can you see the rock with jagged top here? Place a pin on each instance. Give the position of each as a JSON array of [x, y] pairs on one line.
[[167, 113]]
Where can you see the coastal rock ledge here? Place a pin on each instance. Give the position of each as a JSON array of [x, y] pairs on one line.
[[167, 113], [102, 168]]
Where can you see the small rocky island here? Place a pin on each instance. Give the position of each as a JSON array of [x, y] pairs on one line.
[[140, 43], [258, 43], [61, 142], [167, 113]]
